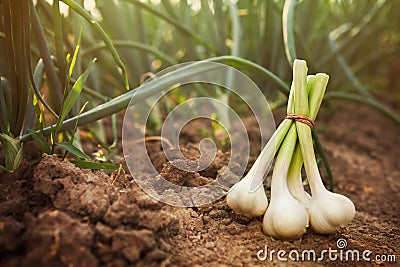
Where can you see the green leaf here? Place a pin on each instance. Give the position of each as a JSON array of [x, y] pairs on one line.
[[173, 21], [56, 88], [13, 151], [94, 165], [58, 41], [74, 57], [4, 120], [39, 114], [36, 81], [134, 45], [73, 95], [73, 150], [41, 141], [288, 30], [366, 101], [121, 102], [3, 169], [106, 39]]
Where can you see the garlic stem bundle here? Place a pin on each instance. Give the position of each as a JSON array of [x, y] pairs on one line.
[[291, 208], [287, 217], [248, 195]]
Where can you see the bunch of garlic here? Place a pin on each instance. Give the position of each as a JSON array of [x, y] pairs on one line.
[[292, 209]]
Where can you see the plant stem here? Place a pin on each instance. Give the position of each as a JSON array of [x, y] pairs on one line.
[[282, 163], [132, 44], [58, 41], [173, 21], [106, 39], [323, 157], [260, 167], [316, 85], [121, 102], [304, 131], [294, 180], [288, 29], [55, 84]]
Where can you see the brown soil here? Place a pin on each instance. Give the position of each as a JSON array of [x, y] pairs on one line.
[[54, 214]]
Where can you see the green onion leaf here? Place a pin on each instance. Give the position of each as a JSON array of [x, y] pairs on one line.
[[73, 95], [94, 165], [41, 141], [73, 150]]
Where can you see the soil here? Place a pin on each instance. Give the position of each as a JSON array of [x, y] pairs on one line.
[[54, 214]]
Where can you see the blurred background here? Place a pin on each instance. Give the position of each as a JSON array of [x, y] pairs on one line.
[[152, 35], [355, 42]]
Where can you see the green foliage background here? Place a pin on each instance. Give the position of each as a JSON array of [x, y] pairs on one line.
[[355, 42]]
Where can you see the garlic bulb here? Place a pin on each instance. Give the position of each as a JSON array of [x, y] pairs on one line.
[[330, 211], [242, 200], [286, 218]]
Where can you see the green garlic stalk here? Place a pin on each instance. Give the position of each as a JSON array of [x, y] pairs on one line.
[[294, 179], [316, 85], [328, 211]]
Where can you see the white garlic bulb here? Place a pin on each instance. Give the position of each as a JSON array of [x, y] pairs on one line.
[[330, 211], [286, 218], [241, 199]]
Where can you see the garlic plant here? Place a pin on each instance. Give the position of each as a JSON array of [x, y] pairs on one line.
[[316, 85], [286, 217], [328, 211], [292, 209], [248, 195]]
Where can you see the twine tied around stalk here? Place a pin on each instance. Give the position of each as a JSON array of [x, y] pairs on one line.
[[301, 118]]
